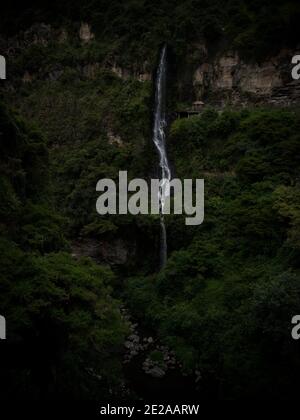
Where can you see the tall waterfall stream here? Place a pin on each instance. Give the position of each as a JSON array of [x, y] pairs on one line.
[[159, 139]]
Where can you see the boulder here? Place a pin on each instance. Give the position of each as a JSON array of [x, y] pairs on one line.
[[157, 372]]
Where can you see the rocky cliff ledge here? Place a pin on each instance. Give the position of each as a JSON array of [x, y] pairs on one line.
[[213, 74], [228, 79]]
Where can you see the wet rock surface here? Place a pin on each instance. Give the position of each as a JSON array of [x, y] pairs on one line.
[[151, 368], [156, 359]]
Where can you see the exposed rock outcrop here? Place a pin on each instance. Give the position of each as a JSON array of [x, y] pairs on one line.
[[113, 252], [228, 79], [141, 74], [213, 74], [85, 33], [43, 35], [117, 251], [114, 139]]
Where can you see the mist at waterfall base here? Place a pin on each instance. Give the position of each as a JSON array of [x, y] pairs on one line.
[[159, 139]]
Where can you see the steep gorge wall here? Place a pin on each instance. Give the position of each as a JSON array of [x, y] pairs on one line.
[[75, 46], [225, 78], [213, 74]]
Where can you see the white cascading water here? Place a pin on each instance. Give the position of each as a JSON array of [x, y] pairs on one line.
[[159, 139]]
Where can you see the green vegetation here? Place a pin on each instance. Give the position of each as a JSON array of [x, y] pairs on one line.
[[94, 126], [65, 330], [226, 296], [225, 299], [134, 29]]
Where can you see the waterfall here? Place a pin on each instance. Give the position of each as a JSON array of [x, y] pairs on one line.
[[159, 140]]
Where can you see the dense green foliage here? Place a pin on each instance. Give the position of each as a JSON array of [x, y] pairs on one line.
[[94, 129], [227, 294], [134, 29], [64, 330]]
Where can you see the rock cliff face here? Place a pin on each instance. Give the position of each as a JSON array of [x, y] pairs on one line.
[[212, 74], [115, 252], [228, 79], [216, 76], [81, 36], [142, 73], [85, 33]]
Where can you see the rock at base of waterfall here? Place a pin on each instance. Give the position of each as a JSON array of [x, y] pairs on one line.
[[157, 372], [134, 337], [128, 344]]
